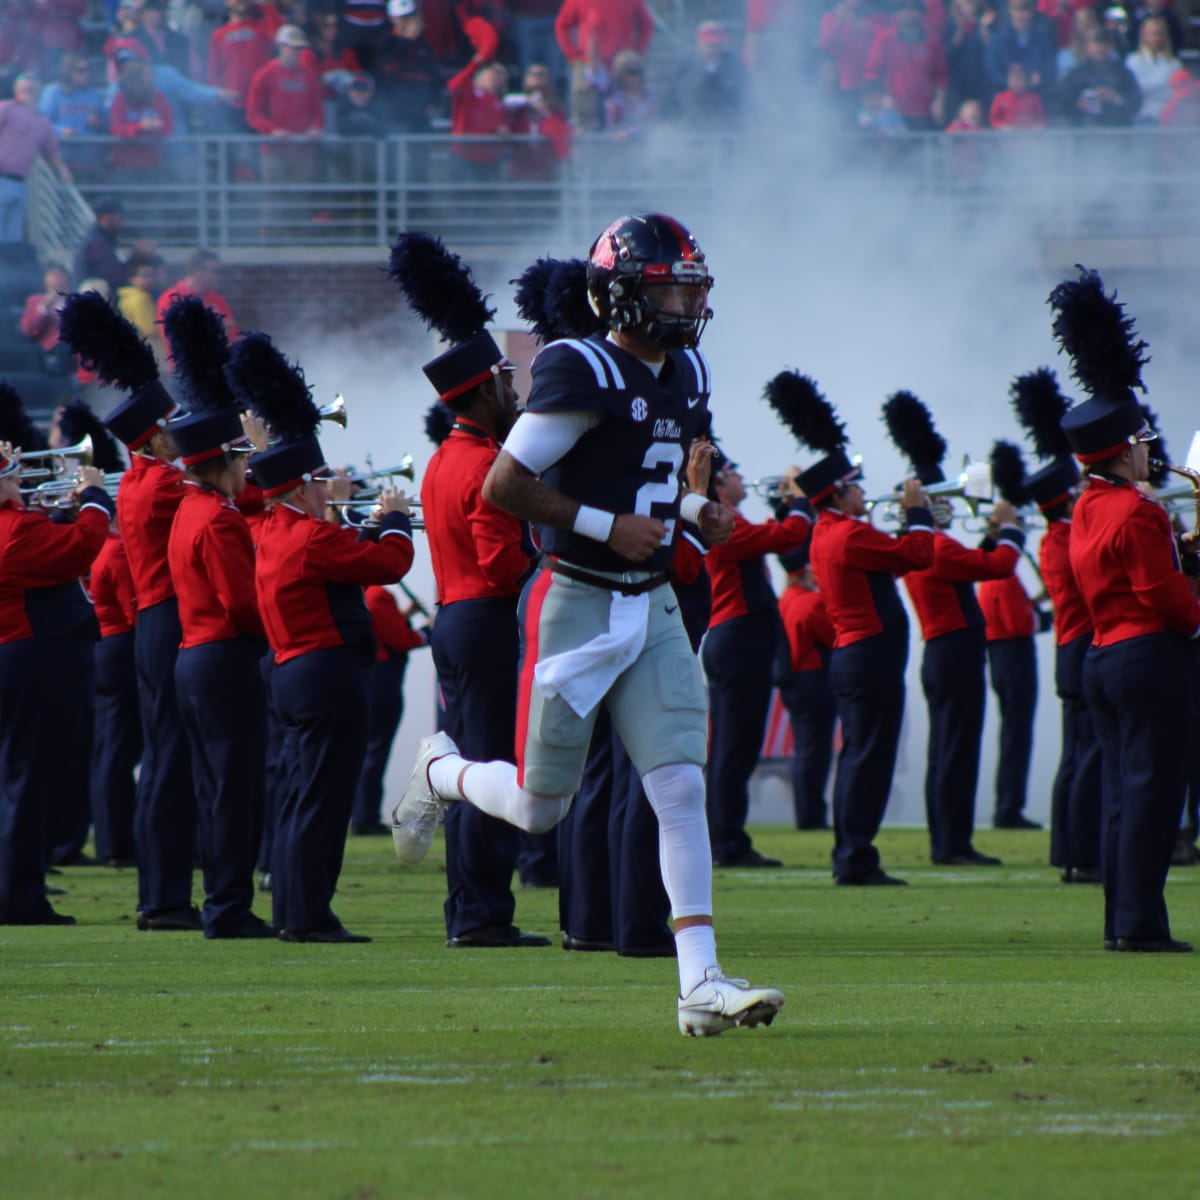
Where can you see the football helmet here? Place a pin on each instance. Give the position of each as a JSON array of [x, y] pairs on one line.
[[647, 275]]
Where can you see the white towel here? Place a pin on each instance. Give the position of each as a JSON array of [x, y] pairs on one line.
[[583, 676]]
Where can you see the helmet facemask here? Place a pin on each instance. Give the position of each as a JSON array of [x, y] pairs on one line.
[[666, 304]]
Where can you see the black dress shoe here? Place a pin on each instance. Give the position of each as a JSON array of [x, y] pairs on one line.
[[972, 858], [1085, 875], [119, 863], [751, 858], [1184, 853], [249, 926], [1152, 946], [46, 917], [877, 878], [539, 881], [496, 937], [655, 950], [574, 943], [337, 937], [1110, 944], [187, 918], [264, 882], [1017, 822]]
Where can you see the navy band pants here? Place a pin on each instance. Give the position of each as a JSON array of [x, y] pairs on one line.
[[116, 746], [1013, 663], [385, 707], [812, 714], [71, 659], [1076, 799], [276, 766], [223, 709]]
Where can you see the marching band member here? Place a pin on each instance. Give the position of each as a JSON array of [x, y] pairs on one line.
[[480, 565], [34, 553], [1075, 799], [595, 462], [149, 493], [217, 676], [309, 580], [1144, 613], [953, 667], [738, 653], [856, 568]]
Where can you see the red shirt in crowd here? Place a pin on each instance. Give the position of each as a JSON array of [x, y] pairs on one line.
[[36, 553], [807, 625], [150, 492], [393, 634], [473, 110], [912, 73], [145, 145], [475, 547], [321, 64], [213, 300], [856, 566], [602, 27], [943, 595], [236, 52], [111, 588], [1007, 609], [1071, 616], [738, 570], [284, 100], [39, 321], [1017, 110], [1123, 556], [847, 39], [211, 558], [1062, 13], [54, 24], [310, 575]]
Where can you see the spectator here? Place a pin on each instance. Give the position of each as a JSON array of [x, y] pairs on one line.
[[141, 117], [76, 110], [591, 33], [126, 26], [1182, 110], [55, 30], [846, 34], [532, 24], [1063, 14], [98, 255], [284, 103], [357, 112], [1175, 26], [162, 42], [236, 52], [1152, 65], [709, 90], [203, 276], [962, 41], [327, 56], [477, 109], [407, 74], [366, 29], [1100, 91], [25, 134], [135, 301], [1018, 107], [1084, 23], [1023, 36], [911, 66], [39, 321], [536, 111], [969, 119], [1116, 21], [877, 112], [629, 107]]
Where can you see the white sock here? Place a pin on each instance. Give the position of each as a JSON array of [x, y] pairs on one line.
[[492, 788], [696, 947]]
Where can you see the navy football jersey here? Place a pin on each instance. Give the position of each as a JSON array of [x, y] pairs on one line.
[[634, 459]]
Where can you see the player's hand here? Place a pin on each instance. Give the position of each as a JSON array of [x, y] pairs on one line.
[[716, 523], [699, 467], [912, 495], [636, 537], [391, 500]]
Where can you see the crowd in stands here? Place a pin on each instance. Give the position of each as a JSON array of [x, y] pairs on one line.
[[527, 74]]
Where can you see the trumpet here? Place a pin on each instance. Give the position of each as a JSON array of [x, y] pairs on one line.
[[334, 411], [370, 507], [60, 493], [769, 487], [973, 486], [80, 453], [403, 470]]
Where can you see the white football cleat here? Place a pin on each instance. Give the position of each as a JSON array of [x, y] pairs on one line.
[[415, 819], [717, 1004]]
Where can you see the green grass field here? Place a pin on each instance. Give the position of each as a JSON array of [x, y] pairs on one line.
[[966, 1036]]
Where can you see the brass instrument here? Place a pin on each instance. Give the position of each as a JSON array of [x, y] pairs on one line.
[[60, 493], [973, 486], [80, 453], [404, 470], [1192, 489], [334, 411], [769, 487]]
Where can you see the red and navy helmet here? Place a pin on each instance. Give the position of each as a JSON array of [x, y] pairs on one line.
[[647, 275]]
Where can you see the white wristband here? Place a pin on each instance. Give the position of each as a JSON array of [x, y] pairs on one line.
[[691, 506], [594, 523]]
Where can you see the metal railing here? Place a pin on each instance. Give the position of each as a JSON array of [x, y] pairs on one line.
[[241, 194], [58, 215]]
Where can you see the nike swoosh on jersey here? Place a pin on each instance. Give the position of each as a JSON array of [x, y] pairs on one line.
[[672, 608], [692, 403]]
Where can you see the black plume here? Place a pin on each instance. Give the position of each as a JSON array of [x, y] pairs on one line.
[[15, 425], [567, 306], [910, 426], [438, 286], [1106, 355], [530, 297], [106, 342], [1008, 472], [200, 349], [439, 420], [263, 380], [1158, 449], [1040, 408], [799, 404], [77, 421]]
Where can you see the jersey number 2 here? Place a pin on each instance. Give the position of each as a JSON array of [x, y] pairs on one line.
[[661, 457]]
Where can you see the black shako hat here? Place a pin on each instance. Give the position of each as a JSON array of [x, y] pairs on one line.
[[799, 404], [1053, 484], [1099, 428]]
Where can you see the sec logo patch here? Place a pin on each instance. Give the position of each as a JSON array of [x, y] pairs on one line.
[[639, 409]]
